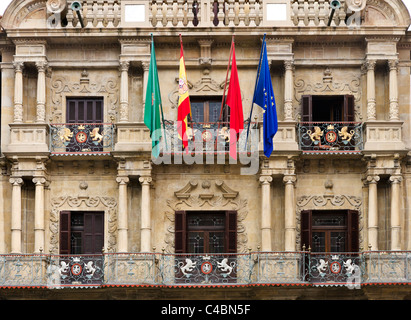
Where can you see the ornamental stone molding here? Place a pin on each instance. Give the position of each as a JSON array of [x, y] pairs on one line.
[[61, 87], [329, 202], [207, 195], [330, 85], [89, 203]]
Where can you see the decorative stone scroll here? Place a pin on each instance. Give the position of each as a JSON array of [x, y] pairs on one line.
[[61, 86], [207, 195], [107, 204]]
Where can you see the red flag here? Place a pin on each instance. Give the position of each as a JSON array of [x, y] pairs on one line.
[[236, 107], [184, 107]]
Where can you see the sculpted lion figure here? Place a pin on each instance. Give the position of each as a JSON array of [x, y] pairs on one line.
[[95, 135], [345, 135], [65, 134], [316, 134]]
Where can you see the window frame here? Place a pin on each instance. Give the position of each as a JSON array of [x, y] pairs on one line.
[[181, 231]]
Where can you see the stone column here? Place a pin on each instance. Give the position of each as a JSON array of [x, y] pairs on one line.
[[122, 245], [290, 218], [145, 214], [288, 90], [393, 93], [41, 91], [266, 213], [18, 92], [146, 68], [395, 213], [373, 212], [124, 66], [39, 214], [371, 112], [16, 215]]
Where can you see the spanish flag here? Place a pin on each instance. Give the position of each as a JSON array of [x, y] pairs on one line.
[[184, 107]]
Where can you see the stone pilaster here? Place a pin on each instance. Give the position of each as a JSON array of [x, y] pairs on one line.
[[122, 243], [288, 90], [145, 213], [371, 111], [373, 211], [16, 215], [41, 92], [124, 112], [18, 92], [39, 231], [393, 93], [266, 227], [290, 218], [395, 212]]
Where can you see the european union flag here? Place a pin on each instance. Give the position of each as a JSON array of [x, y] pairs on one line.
[[264, 97]]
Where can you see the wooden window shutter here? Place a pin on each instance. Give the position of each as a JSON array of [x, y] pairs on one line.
[[231, 231], [93, 235], [349, 103], [353, 231], [306, 229], [180, 230], [65, 232], [307, 108]]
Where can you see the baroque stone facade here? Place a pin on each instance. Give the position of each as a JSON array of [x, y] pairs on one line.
[[53, 59]]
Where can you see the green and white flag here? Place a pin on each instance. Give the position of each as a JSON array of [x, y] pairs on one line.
[[153, 104]]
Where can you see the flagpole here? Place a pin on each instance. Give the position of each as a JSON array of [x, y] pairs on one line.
[[255, 88], [226, 78], [161, 106]]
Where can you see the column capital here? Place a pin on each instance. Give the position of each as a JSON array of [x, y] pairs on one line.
[[124, 65], [39, 181], [145, 180], [265, 180], [373, 178], [16, 181], [370, 64], [145, 65], [122, 180], [41, 66], [393, 64], [289, 179], [395, 179], [289, 65], [18, 66]]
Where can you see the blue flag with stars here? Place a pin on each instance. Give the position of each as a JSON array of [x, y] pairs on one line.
[[264, 98]]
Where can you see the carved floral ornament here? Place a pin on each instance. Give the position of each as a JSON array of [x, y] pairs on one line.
[[207, 195]]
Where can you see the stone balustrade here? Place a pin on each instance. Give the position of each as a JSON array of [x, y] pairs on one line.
[[201, 13]]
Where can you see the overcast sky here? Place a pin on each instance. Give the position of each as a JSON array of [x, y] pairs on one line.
[[5, 3]]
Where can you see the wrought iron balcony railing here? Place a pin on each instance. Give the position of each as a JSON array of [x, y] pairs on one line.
[[198, 270], [209, 137], [330, 137], [81, 138]]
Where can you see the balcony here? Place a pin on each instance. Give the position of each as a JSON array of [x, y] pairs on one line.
[[330, 137], [199, 270], [68, 139], [209, 138], [200, 13]]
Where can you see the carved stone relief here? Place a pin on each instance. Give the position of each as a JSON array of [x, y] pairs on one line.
[[61, 87], [206, 86], [350, 84], [329, 201], [106, 204], [207, 195]]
